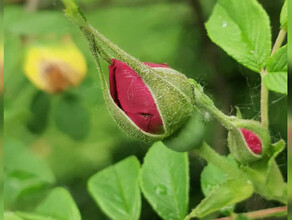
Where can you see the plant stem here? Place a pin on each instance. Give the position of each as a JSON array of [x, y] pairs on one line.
[[279, 40], [211, 156], [260, 214], [264, 90], [264, 101]]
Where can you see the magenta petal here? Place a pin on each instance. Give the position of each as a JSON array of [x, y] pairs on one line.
[[252, 140], [134, 98], [156, 65]]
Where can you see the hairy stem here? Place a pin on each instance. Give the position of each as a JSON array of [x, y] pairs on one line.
[[264, 90], [260, 214], [211, 156]]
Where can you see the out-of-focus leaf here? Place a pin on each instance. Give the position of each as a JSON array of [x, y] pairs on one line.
[[40, 108], [59, 204], [165, 181], [11, 216], [116, 190], [284, 15], [241, 217], [242, 30], [24, 171], [72, 117]]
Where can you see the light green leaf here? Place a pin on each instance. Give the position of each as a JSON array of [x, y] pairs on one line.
[[11, 216], [277, 66], [33, 216], [242, 30], [284, 15], [165, 181], [277, 82], [230, 192], [59, 204], [23, 171], [241, 217], [116, 190], [278, 62]]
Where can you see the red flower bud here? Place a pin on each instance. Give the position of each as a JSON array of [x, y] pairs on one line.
[[252, 140], [133, 96]]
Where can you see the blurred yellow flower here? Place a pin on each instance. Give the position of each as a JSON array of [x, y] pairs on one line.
[[54, 68]]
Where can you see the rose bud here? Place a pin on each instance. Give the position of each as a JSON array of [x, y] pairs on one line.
[[149, 111], [248, 141], [55, 68]]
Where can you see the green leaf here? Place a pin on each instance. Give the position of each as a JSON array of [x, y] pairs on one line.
[[277, 82], [230, 192], [24, 171], [241, 217], [284, 15], [40, 108], [11, 216], [278, 62], [242, 30], [59, 204], [33, 216], [165, 181], [72, 117], [116, 190]]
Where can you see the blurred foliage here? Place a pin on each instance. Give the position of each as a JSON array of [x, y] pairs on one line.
[[73, 131]]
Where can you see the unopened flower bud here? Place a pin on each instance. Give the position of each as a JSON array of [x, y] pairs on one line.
[[153, 108], [55, 68], [248, 141]]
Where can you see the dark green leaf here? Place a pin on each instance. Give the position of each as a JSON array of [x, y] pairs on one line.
[[40, 108], [188, 137], [72, 117], [165, 181], [241, 29], [116, 190]]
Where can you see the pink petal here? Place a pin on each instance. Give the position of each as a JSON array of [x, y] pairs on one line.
[[252, 140], [133, 96]]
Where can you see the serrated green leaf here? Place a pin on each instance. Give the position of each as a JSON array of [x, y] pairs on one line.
[[278, 62], [59, 204], [284, 15], [225, 194], [72, 117], [165, 181], [24, 171], [116, 190], [242, 30], [277, 82]]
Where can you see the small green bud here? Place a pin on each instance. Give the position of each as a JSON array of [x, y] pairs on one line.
[[248, 141]]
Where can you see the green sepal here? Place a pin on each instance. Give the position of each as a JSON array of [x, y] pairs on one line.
[[189, 136], [284, 15], [238, 146], [265, 175]]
